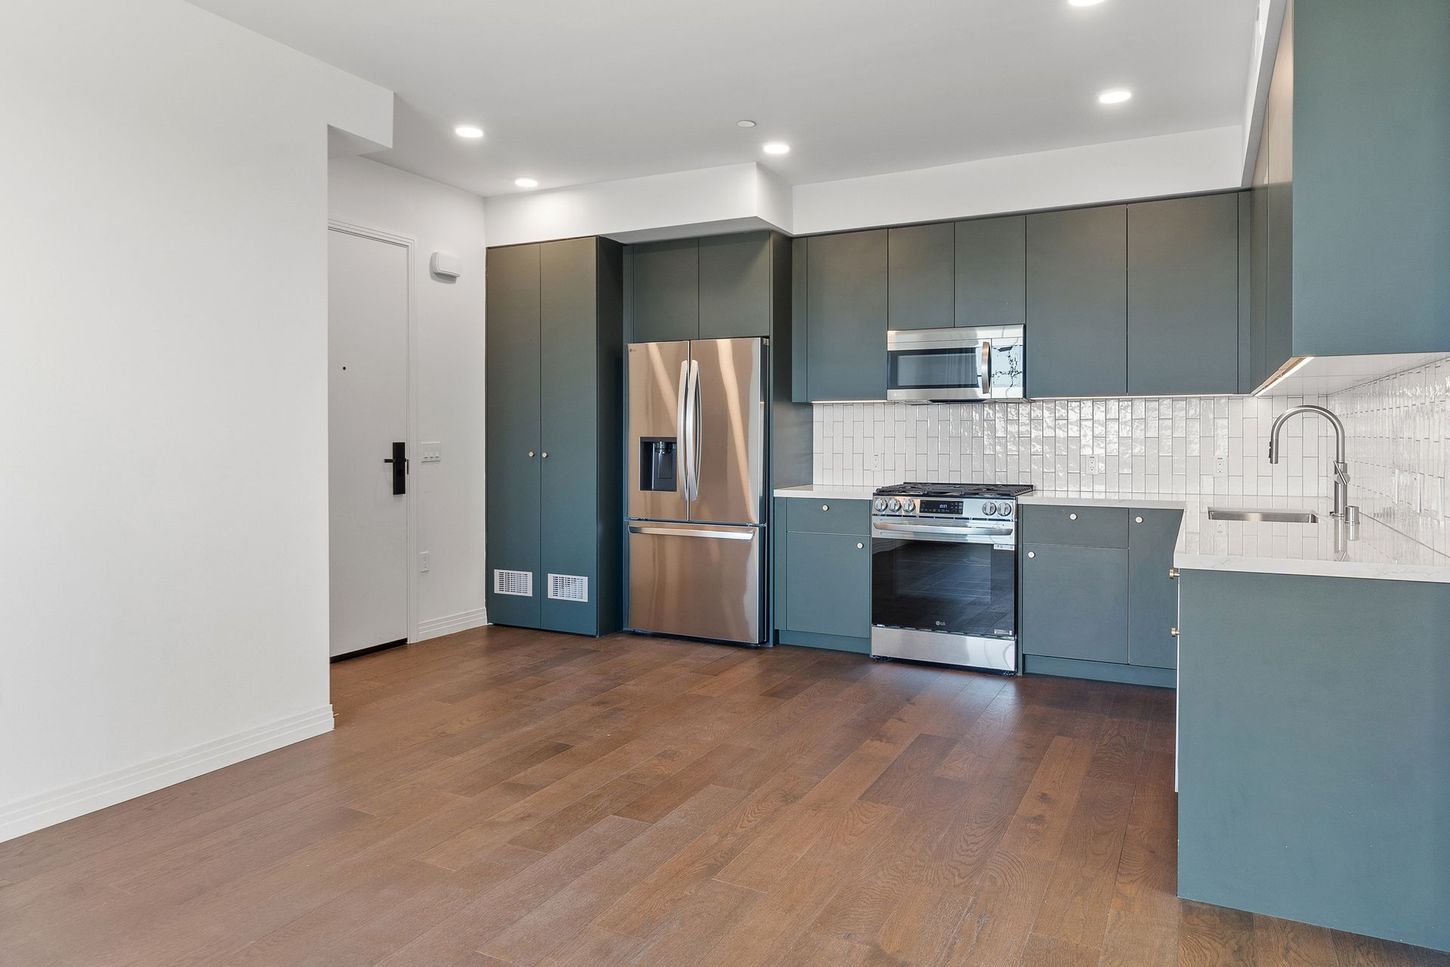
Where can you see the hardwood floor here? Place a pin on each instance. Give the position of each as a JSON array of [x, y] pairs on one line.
[[510, 797]]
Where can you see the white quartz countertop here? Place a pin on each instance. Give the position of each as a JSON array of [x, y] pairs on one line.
[[1052, 499], [1326, 549], [827, 492]]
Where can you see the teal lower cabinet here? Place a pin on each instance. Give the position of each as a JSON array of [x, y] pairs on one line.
[[1096, 597], [823, 573], [1313, 743]]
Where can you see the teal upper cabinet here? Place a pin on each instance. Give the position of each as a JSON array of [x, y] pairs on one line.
[[1183, 300], [735, 290], [665, 290], [718, 287], [991, 271], [1077, 302], [845, 314], [1354, 161], [1371, 168], [920, 269]]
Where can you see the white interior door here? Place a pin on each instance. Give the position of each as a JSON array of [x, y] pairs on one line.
[[367, 388]]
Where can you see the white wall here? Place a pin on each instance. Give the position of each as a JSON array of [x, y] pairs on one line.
[[163, 489], [1146, 167], [446, 375]]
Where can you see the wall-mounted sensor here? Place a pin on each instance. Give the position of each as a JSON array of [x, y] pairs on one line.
[[445, 265]]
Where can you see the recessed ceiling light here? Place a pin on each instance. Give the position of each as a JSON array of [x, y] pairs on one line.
[[1115, 95], [527, 182], [775, 147], [745, 123], [470, 131], [1083, 3]]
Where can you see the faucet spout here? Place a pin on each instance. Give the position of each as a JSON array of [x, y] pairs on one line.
[[1342, 507]]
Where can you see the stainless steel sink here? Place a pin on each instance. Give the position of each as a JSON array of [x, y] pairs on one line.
[[1268, 516]]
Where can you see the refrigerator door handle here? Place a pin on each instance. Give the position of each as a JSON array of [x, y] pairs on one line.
[[682, 425], [654, 531], [696, 418]]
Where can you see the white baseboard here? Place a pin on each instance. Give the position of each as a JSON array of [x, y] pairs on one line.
[[449, 624], [37, 812]]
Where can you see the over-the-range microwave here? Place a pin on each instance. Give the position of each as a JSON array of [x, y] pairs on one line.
[[954, 365]]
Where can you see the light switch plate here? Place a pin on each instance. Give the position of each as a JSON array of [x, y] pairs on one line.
[[432, 451]]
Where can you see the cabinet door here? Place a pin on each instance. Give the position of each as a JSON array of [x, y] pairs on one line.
[[666, 291], [846, 302], [828, 584], [1075, 602], [919, 269], [991, 271], [735, 286], [568, 454], [1077, 302], [1152, 594], [511, 372], [1183, 296]]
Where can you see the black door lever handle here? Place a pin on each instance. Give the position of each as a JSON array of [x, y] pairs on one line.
[[399, 460]]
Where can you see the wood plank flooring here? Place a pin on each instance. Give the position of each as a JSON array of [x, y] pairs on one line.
[[512, 797]]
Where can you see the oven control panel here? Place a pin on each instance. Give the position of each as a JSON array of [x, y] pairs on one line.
[[969, 508]]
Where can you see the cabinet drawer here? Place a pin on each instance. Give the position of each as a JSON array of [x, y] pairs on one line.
[[824, 516], [828, 516], [1077, 526]]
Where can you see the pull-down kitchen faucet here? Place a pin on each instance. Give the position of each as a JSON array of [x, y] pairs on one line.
[[1342, 508]]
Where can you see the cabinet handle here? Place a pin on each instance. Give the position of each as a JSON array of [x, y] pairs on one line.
[[1032, 554], [531, 454], [1173, 574], [1137, 520], [1173, 632], [825, 506], [859, 545], [544, 455], [1072, 516]]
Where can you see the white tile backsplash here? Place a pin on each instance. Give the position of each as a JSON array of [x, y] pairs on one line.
[[1199, 446], [1398, 447], [1399, 457]]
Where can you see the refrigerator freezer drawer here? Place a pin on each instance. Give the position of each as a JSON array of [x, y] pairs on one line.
[[696, 580]]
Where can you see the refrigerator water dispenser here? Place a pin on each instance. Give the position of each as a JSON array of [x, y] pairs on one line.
[[657, 463]]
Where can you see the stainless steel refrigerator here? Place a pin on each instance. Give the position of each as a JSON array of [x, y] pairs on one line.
[[696, 518]]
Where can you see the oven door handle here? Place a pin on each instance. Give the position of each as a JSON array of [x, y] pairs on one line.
[[955, 535]]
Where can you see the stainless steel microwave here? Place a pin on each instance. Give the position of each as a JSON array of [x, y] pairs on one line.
[[953, 365]]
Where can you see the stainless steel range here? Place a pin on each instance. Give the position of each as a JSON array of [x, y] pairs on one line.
[[944, 574]]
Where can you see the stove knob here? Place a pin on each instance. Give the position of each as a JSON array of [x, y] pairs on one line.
[[909, 505], [1008, 509], [895, 505], [989, 508], [880, 504]]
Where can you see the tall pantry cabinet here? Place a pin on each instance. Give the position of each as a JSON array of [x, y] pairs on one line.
[[553, 440]]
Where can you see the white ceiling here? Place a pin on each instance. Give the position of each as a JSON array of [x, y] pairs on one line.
[[574, 91]]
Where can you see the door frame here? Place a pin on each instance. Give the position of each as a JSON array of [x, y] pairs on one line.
[[409, 245]]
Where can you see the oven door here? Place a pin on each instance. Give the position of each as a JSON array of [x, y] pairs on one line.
[[944, 593]]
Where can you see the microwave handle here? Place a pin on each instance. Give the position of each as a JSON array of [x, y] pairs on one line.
[[984, 367]]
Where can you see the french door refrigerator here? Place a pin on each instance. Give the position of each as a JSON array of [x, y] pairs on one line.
[[696, 457]]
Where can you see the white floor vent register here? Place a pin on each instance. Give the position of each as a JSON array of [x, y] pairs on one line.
[[568, 587], [518, 583]]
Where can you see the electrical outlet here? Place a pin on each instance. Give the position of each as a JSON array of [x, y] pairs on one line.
[[425, 561], [432, 451], [1220, 465]]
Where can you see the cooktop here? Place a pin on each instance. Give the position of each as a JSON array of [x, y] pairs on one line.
[[918, 489]]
